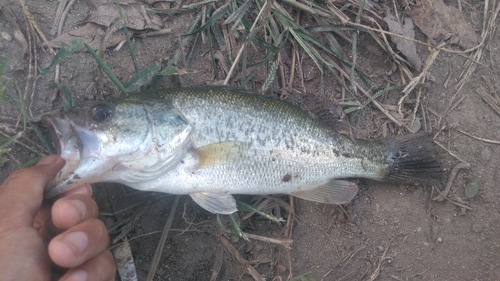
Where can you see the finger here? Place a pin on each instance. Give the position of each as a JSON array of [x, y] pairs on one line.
[[72, 210], [100, 268], [84, 189], [79, 243], [21, 194]]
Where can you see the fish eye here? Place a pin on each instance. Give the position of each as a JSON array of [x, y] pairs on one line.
[[100, 112]]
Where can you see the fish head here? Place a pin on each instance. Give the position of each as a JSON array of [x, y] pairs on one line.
[[106, 141]]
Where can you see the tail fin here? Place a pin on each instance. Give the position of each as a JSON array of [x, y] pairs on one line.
[[412, 159]]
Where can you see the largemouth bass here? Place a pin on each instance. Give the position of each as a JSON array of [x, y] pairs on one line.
[[214, 142]]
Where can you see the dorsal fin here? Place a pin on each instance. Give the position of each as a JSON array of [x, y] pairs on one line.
[[334, 118]]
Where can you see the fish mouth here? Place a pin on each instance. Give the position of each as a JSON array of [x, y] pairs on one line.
[[74, 144], [60, 132]]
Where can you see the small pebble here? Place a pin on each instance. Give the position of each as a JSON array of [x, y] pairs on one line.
[[485, 155], [417, 193], [497, 174], [416, 125], [439, 239], [5, 35], [476, 227], [281, 269]]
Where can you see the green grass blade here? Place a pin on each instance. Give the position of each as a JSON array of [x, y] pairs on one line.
[[184, 41], [195, 5], [260, 64], [219, 221], [127, 37], [63, 53], [381, 92], [106, 69], [43, 140], [212, 55], [4, 143], [4, 81], [249, 208], [209, 22], [172, 70], [272, 52], [4, 148], [20, 103], [222, 44], [238, 13], [308, 49], [237, 16], [3, 65], [30, 162], [303, 277], [349, 103], [69, 100], [270, 76], [244, 61], [143, 77], [237, 230]]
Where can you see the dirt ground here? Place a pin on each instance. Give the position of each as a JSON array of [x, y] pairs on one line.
[[388, 232]]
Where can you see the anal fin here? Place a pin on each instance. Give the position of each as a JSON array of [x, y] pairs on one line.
[[217, 203], [332, 192]]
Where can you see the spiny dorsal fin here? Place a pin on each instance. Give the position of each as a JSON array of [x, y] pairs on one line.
[[335, 118], [332, 192]]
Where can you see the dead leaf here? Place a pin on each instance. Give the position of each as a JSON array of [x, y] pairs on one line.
[[98, 3], [125, 261], [90, 33], [18, 34], [135, 16], [100, 25], [442, 22], [406, 47]]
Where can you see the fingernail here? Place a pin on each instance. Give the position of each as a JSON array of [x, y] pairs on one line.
[[79, 206], [78, 275], [84, 189], [51, 159], [78, 242]]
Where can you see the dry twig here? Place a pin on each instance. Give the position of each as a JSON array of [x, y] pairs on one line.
[[159, 248], [237, 59], [346, 258], [451, 178], [453, 202], [236, 255], [449, 152], [289, 220], [493, 100], [376, 273], [282, 242], [478, 138]]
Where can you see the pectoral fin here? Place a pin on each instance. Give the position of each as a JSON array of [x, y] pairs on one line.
[[217, 203], [332, 192], [220, 153]]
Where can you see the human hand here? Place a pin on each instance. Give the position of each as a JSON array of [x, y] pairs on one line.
[[35, 236]]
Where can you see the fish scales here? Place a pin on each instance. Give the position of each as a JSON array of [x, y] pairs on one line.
[[283, 139], [221, 142], [264, 123]]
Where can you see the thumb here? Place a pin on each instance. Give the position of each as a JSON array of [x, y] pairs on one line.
[[21, 194]]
